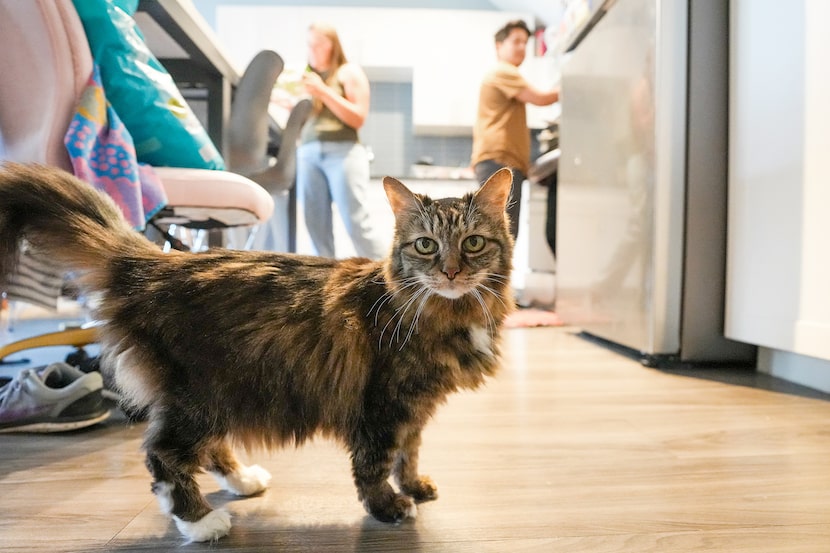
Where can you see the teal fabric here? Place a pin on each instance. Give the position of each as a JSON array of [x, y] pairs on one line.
[[164, 129]]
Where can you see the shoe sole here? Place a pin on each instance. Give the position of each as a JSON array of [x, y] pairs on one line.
[[56, 426]]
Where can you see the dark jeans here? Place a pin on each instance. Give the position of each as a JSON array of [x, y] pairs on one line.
[[550, 222], [484, 169]]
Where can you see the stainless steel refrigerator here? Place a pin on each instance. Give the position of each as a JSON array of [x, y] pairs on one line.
[[641, 215]]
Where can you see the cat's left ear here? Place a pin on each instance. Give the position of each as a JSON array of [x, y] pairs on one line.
[[400, 197], [494, 194]]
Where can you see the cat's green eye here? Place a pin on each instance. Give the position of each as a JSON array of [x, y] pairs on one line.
[[473, 244], [426, 246]]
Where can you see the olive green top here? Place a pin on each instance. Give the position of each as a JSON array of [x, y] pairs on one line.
[[326, 126]]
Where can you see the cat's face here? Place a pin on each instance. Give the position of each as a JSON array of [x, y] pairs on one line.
[[452, 246], [447, 249]]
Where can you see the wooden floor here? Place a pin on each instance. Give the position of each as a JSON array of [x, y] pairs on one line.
[[571, 448]]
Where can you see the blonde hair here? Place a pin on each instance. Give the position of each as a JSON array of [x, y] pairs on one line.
[[336, 60], [338, 57]]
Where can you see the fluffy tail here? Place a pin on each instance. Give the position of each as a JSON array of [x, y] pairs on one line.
[[64, 218]]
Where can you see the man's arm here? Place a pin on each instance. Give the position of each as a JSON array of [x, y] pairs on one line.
[[532, 95]]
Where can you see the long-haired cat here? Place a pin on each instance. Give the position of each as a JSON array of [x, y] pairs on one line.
[[258, 349]]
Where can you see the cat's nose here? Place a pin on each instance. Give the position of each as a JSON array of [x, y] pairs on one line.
[[451, 272]]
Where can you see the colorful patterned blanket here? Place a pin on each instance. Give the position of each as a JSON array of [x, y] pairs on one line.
[[103, 155]]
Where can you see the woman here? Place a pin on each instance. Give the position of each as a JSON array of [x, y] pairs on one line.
[[332, 165]]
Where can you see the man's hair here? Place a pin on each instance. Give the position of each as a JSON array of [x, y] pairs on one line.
[[504, 32]]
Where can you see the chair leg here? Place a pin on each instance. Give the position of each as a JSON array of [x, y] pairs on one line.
[[76, 337], [249, 243], [200, 239]]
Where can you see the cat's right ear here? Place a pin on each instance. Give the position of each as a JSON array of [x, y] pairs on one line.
[[400, 197], [495, 193]]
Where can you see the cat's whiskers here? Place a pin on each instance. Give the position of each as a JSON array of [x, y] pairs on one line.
[[488, 317], [494, 293], [425, 218], [497, 277], [413, 326], [388, 295], [489, 279], [391, 319], [401, 311], [471, 206], [381, 301]]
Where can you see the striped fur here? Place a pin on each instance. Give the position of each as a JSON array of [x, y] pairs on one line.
[[260, 349]]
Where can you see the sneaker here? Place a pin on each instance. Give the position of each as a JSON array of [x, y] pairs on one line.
[[85, 363], [82, 360], [54, 398]]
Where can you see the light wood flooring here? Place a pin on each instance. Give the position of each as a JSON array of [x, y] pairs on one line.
[[571, 448]]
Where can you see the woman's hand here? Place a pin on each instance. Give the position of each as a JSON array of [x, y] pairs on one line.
[[314, 85], [351, 108]]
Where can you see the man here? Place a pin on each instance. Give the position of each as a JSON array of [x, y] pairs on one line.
[[500, 136]]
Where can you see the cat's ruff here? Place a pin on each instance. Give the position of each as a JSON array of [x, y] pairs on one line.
[[262, 349]]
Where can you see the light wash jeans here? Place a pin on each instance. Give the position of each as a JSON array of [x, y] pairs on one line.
[[336, 172]]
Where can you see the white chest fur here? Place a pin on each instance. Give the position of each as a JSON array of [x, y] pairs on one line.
[[481, 339]]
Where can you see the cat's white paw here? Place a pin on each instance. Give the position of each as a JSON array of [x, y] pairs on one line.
[[245, 481], [210, 527], [412, 511]]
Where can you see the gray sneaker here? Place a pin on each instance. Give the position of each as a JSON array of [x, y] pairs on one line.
[[53, 398]]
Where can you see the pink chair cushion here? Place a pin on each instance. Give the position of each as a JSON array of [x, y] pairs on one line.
[[202, 194], [45, 64]]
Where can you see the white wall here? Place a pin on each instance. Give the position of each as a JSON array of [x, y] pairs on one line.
[[448, 50], [779, 207], [812, 335]]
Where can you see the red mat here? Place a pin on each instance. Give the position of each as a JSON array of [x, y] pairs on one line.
[[531, 317]]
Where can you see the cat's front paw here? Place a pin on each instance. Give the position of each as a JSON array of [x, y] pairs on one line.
[[397, 508], [422, 489]]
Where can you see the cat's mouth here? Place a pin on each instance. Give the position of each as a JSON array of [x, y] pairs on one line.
[[452, 289], [450, 293]]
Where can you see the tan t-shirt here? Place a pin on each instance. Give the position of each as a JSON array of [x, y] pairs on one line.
[[500, 132]]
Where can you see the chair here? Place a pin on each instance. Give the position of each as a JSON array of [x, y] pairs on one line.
[[249, 137], [45, 63], [248, 129]]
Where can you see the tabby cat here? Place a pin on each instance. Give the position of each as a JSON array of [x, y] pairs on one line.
[[234, 348]]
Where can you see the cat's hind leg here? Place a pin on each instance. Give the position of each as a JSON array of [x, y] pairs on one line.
[[173, 454], [405, 470], [232, 475]]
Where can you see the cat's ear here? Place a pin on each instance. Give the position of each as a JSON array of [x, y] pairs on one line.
[[494, 194], [400, 197]]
